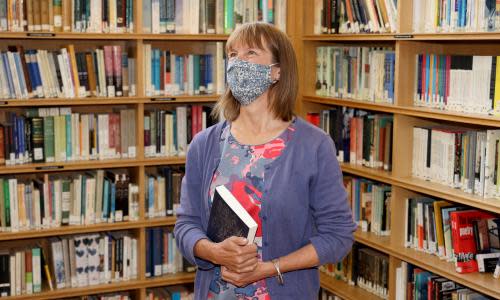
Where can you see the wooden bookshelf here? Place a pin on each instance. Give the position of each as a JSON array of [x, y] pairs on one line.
[[406, 45]]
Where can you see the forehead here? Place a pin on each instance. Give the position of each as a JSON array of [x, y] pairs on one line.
[[246, 39]]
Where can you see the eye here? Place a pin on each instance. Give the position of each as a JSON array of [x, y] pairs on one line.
[[232, 54], [252, 52]]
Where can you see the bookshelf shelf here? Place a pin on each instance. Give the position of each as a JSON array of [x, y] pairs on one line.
[[367, 105], [349, 37], [484, 283], [423, 112], [69, 166], [491, 36], [183, 99], [70, 229], [69, 36], [183, 37], [374, 174], [448, 193], [75, 292], [167, 221], [344, 290], [164, 161], [71, 102], [481, 282], [173, 279]]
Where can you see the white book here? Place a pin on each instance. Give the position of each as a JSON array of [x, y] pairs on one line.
[[190, 76], [133, 260], [37, 269], [20, 266], [90, 201], [13, 276], [102, 74], [81, 261], [155, 17], [14, 209], [103, 133], [112, 16], [107, 267], [52, 65], [58, 263], [37, 212], [147, 70], [219, 16], [181, 130], [73, 282], [93, 259], [15, 76], [126, 258]]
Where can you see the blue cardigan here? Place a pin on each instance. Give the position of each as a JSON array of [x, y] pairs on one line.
[[305, 202]]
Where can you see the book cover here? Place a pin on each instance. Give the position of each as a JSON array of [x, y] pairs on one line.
[[229, 218]]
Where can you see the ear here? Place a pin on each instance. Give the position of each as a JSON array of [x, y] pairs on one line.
[[275, 73]]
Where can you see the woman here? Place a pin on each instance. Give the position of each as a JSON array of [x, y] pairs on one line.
[[282, 169]]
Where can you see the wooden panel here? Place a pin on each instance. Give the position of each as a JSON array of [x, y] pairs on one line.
[[362, 37], [405, 16], [70, 101]]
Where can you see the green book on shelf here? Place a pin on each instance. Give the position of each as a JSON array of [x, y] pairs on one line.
[[196, 74], [228, 16], [48, 138]]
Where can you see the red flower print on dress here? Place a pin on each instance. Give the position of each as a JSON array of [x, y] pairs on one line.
[[247, 195]]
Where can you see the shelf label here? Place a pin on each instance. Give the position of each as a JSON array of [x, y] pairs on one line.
[[164, 99], [4, 102], [50, 168], [403, 36], [41, 34]]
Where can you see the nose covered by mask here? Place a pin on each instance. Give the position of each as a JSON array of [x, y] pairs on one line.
[[247, 81]]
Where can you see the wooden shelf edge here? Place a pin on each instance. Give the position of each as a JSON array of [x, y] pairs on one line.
[[167, 221], [414, 111], [183, 99], [70, 230], [448, 193], [173, 279], [70, 102], [164, 161], [373, 174], [81, 291], [344, 290], [368, 105], [69, 166], [182, 37], [68, 35], [350, 37]]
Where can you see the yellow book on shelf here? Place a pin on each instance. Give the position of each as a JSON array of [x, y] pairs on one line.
[[74, 69], [439, 226], [496, 100]]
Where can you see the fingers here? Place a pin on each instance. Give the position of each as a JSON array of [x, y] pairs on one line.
[[238, 240], [243, 266], [232, 277]]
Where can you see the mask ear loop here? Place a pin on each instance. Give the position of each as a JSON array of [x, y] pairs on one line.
[[271, 66]]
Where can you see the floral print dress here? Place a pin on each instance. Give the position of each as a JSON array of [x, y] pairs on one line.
[[241, 170]]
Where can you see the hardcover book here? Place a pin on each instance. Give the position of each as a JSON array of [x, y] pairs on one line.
[[229, 218]]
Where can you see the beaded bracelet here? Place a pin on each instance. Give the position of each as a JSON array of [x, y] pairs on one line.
[[276, 263]]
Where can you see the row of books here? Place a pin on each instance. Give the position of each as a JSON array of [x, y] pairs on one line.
[[67, 199], [176, 292], [469, 237], [162, 255], [415, 283], [169, 132], [76, 261], [455, 15], [64, 73], [439, 83], [56, 135], [209, 16], [458, 157], [327, 295], [370, 204], [360, 73], [360, 137], [163, 185], [355, 16], [93, 16], [364, 267], [168, 73]]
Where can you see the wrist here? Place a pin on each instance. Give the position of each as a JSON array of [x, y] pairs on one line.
[[278, 271]]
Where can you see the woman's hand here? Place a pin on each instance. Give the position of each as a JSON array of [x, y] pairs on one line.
[[262, 270], [235, 254]]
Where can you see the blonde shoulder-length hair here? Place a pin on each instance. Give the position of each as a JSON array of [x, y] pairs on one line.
[[283, 93]]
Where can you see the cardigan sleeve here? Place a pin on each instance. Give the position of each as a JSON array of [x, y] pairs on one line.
[[330, 209], [188, 227]]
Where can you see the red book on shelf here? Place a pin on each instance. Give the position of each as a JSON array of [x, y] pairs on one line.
[[117, 70], [108, 70], [313, 118], [464, 244]]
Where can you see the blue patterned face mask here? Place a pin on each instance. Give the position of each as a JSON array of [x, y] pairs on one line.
[[247, 81]]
